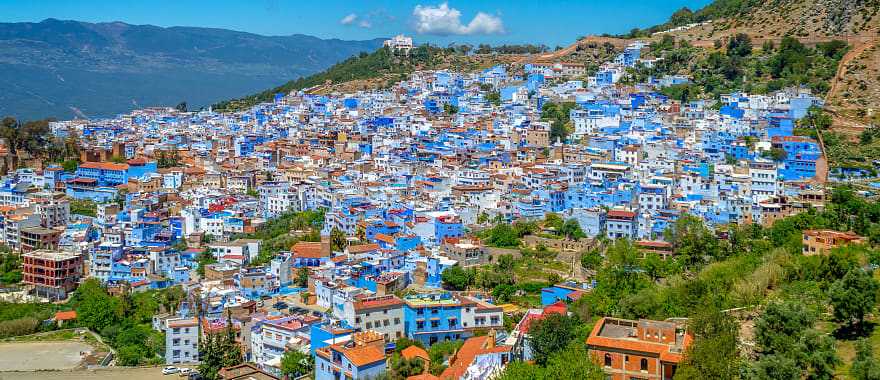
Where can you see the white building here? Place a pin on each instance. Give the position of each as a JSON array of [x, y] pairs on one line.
[[181, 341], [400, 43]]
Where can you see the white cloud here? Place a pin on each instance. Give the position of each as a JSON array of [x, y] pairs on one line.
[[360, 21], [443, 20], [349, 19]]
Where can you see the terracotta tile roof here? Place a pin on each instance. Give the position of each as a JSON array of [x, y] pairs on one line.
[[361, 248], [308, 250], [661, 350], [621, 214], [65, 315], [378, 303], [385, 238], [465, 356], [362, 355], [104, 166], [424, 376], [415, 352]]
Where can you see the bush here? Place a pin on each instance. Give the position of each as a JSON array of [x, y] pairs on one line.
[[16, 327]]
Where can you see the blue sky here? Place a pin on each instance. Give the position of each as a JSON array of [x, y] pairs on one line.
[[514, 21]]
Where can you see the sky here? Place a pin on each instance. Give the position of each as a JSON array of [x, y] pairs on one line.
[[549, 22]]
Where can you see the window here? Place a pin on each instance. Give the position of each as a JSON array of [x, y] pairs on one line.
[[643, 365], [435, 324], [420, 324], [369, 325], [608, 360], [396, 321]]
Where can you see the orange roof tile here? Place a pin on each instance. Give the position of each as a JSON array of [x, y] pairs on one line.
[[424, 376], [363, 355], [385, 238], [104, 166], [65, 315], [415, 352], [361, 248], [465, 356], [308, 250]]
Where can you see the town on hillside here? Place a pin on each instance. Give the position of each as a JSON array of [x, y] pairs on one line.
[[543, 219]]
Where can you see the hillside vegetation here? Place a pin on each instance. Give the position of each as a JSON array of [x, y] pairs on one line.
[[854, 96]]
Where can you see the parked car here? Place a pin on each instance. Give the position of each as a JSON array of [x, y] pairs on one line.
[[280, 305], [185, 372], [169, 370]]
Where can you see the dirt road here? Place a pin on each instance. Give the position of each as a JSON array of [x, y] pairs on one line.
[[29, 356], [110, 373]]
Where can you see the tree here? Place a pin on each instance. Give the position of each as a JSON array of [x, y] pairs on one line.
[[501, 236], [865, 366], [457, 278], [294, 363], [338, 240], [816, 354], [692, 241], [713, 354], [181, 106], [572, 230], [219, 350], [95, 308], [592, 260], [403, 368], [554, 221], [404, 342], [778, 328], [506, 263], [551, 334], [559, 116], [570, 363], [654, 265], [129, 355], [776, 367], [854, 296], [70, 166], [302, 277], [739, 46], [494, 98]]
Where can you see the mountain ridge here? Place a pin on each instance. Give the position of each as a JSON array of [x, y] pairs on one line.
[[66, 68]]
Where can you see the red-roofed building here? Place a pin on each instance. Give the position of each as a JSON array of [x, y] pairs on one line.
[[311, 254], [413, 352], [64, 316], [521, 349], [643, 349], [383, 314], [620, 224], [362, 357], [479, 358], [820, 242]]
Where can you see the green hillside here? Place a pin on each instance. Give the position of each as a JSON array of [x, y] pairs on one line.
[[363, 66]]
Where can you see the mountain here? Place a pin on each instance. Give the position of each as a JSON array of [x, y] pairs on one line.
[[64, 69]]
